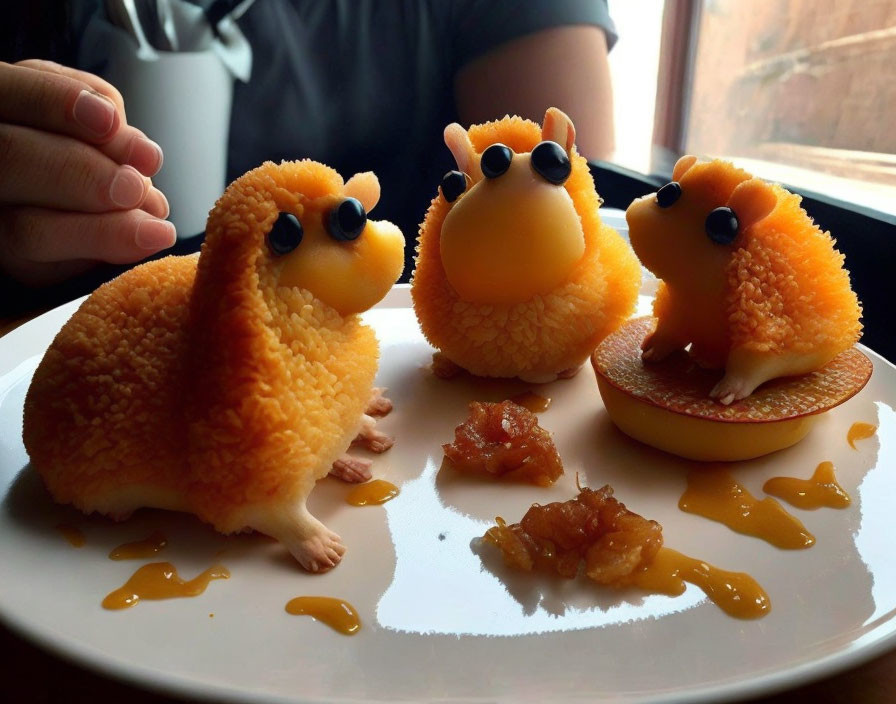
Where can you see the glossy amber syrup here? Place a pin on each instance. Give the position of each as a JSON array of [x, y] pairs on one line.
[[73, 535], [532, 401], [376, 491], [336, 613], [822, 490], [713, 493], [159, 580], [859, 431], [140, 549], [736, 593]]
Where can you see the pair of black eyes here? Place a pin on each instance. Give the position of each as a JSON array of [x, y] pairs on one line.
[[344, 223], [549, 160], [721, 224]]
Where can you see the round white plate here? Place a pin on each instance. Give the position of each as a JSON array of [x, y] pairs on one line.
[[443, 619]]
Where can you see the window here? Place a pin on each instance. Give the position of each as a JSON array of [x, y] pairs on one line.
[[797, 91]]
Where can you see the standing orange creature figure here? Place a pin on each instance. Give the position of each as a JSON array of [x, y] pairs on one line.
[[227, 387], [516, 275]]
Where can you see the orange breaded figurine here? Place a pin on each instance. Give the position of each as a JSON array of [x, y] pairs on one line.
[[516, 276], [748, 279], [228, 388]]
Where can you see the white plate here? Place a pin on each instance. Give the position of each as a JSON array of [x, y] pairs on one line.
[[438, 621]]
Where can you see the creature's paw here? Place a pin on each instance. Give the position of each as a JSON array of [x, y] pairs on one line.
[[378, 405], [370, 438], [444, 368], [733, 387], [656, 348], [319, 552], [315, 546], [351, 469]]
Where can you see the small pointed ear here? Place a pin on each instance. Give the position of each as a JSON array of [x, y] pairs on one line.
[[557, 127], [751, 201], [458, 142], [682, 165], [365, 187]]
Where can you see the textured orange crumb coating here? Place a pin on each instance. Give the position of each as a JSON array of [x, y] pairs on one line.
[[787, 286], [238, 392], [548, 333]]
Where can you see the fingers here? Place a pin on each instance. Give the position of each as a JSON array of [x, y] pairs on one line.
[[92, 81], [34, 239], [48, 97], [49, 170]]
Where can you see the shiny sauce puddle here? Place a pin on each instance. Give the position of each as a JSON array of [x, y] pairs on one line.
[[73, 535], [821, 490], [859, 431], [159, 580], [716, 495], [736, 593], [336, 613], [531, 401], [376, 491], [140, 549]]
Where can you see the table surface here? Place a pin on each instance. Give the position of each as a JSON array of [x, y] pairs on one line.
[[35, 676]]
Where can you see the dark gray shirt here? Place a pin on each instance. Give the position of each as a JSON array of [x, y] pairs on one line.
[[367, 85]]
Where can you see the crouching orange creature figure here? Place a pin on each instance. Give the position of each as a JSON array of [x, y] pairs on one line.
[[748, 279], [227, 386]]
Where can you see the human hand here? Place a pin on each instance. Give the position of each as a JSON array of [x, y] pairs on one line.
[[74, 176]]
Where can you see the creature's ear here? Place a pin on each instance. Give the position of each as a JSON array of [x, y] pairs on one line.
[[557, 127], [682, 166], [751, 201], [460, 146], [365, 187]]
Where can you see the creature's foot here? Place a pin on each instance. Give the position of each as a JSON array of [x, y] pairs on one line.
[[315, 546], [745, 370], [444, 368], [371, 438], [732, 388], [656, 348], [378, 405], [354, 470]]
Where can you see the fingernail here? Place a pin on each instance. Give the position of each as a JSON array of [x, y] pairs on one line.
[[93, 112], [164, 201], [155, 234], [145, 155], [128, 188]]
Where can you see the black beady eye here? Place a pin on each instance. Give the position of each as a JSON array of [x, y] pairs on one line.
[[346, 221], [668, 194], [721, 225], [285, 235], [551, 162], [454, 183], [495, 160]]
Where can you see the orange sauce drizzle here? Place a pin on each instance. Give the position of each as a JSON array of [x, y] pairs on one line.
[[336, 613], [821, 490], [859, 431], [377, 491], [73, 535], [159, 580], [716, 495], [140, 549], [531, 401], [736, 593]]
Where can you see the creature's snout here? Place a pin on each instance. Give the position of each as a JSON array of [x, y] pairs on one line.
[[511, 237]]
